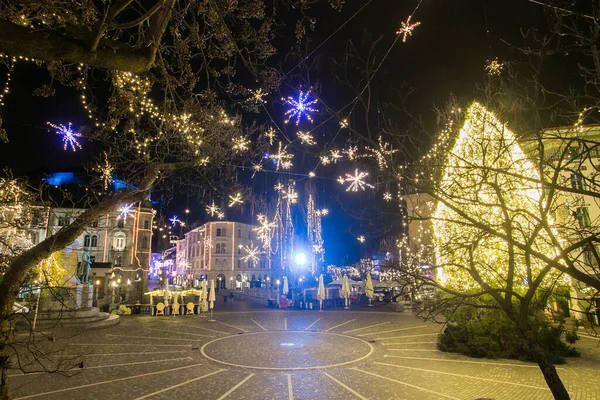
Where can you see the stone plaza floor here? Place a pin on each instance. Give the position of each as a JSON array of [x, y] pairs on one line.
[[264, 354]]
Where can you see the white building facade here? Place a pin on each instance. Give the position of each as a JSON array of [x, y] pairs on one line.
[[228, 252]]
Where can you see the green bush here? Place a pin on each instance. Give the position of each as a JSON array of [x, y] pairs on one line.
[[489, 333]]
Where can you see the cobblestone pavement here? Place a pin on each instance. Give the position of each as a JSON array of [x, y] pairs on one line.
[[264, 354]]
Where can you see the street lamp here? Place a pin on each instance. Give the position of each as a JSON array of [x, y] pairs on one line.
[[277, 282], [97, 288]]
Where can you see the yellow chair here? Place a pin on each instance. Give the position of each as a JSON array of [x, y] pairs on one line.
[[160, 308], [176, 308], [190, 308]]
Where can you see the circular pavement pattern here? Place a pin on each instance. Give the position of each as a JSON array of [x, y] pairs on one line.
[[287, 350]]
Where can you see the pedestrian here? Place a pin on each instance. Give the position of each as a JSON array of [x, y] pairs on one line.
[[225, 299], [231, 297]]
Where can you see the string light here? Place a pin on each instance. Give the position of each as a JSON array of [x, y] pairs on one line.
[[68, 136], [300, 107], [106, 172]]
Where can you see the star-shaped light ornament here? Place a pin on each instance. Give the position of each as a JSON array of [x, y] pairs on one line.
[[361, 239], [407, 28], [126, 211], [352, 152], [240, 144], [356, 181], [263, 232], [174, 220], [252, 253], [235, 199], [282, 159], [68, 136], [306, 138], [291, 195], [300, 107], [213, 210], [344, 123], [106, 172], [258, 95], [494, 67], [271, 135], [279, 187], [221, 215], [387, 196]]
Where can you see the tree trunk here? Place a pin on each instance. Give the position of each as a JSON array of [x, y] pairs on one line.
[[552, 379]]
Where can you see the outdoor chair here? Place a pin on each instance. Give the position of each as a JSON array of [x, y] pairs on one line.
[[190, 308], [160, 308], [176, 308]]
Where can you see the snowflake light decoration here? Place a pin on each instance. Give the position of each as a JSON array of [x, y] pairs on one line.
[[174, 220], [240, 144], [494, 67], [271, 135], [263, 232], [126, 211], [258, 95], [279, 187], [382, 153], [69, 137], [352, 152], [282, 158], [356, 181], [387, 196], [341, 180], [361, 239], [306, 138], [325, 160], [291, 195], [235, 199], [213, 210], [407, 28], [256, 168], [300, 107], [221, 215], [252, 253], [344, 123], [106, 170]]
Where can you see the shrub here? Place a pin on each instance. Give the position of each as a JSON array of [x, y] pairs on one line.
[[123, 310], [489, 333]]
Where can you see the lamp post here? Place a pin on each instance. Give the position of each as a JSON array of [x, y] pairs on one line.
[[96, 290], [277, 282]]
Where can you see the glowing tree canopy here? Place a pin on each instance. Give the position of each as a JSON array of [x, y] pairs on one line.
[[490, 211]]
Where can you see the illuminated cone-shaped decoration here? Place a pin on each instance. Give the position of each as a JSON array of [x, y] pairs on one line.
[[491, 196]]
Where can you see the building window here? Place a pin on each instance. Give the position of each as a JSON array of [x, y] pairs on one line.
[[121, 223], [33, 238], [86, 241], [144, 242], [94, 241], [119, 241], [223, 251], [146, 224], [250, 264], [577, 181], [239, 249], [67, 220], [249, 234], [94, 224], [92, 259], [118, 261], [61, 221], [218, 248], [583, 215], [224, 231], [218, 231], [239, 233], [239, 263]]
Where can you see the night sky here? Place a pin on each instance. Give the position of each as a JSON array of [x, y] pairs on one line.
[[445, 55]]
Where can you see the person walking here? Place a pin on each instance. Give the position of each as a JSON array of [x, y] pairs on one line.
[[225, 299], [231, 298]]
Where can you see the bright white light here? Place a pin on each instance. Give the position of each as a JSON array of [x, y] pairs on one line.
[[300, 259]]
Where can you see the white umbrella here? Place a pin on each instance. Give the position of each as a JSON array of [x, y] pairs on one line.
[[167, 293], [321, 292], [211, 299], [286, 288], [211, 296], [345, 292], [369, 288]]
